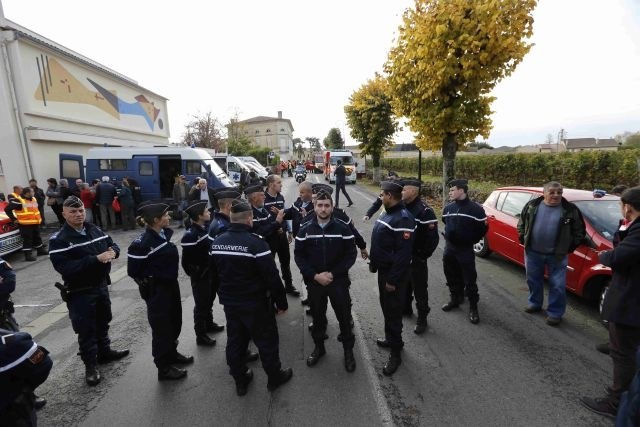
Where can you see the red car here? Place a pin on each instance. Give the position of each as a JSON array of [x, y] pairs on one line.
[[10, 239], [585, 275]]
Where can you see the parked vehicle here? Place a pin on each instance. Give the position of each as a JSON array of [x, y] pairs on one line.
[[309, 166], [154, 168], [260, 170], [10, 239], [586, 277], [318, 160], [331, 161]]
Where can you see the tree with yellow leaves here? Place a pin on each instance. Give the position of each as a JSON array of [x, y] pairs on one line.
[[371, 120], [448, 57]]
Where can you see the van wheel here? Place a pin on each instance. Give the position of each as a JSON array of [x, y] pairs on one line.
[[481, 248]]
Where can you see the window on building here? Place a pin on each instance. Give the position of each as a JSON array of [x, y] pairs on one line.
[[257, 131], [268, 130], [145, 168], [281, 129]]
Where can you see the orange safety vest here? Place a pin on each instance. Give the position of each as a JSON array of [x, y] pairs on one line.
[[29, 214]]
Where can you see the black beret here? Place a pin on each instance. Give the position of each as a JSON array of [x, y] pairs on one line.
[[152, 209], [391, 186], [239, 205], [73, 202], [414, 182], [226, 193], [253, 189], [460, 183], [196, 207], [317, 187]]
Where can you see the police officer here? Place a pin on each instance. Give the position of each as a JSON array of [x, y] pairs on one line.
[[7, 286], [324, 252], [195, 262], [153, 263], [279, 240], [464, 225], [377, 203], [24, 365], [249, 288], [82, 254], [24, 210], [220, 219], [391, 249], [425, 242]]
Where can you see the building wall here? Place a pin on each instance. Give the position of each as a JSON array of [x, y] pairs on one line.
[[274, 134]]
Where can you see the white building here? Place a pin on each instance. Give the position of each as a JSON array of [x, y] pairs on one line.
[[275, 133], [54, 100]]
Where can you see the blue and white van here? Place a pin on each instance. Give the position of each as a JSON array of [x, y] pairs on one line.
[[154, 168]]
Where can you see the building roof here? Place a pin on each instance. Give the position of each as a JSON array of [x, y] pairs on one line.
[[22, 32], [576, 143], [261, 119], [608, 142]]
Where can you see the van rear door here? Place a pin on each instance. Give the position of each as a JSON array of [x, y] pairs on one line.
[[71, 168], [146, 171]]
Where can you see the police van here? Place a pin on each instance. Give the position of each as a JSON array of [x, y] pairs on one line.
[[153, 168], [331, 162]]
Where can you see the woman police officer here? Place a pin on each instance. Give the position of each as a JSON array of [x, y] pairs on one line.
[[153, 263]]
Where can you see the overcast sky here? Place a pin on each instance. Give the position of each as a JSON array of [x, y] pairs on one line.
[[305, 59]]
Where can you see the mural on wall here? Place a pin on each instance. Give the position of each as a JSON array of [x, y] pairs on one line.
[[59, 85]]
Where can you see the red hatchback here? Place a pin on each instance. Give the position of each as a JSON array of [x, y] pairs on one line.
[[585, 275]]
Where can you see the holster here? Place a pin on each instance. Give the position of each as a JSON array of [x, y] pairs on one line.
[[64, 291]]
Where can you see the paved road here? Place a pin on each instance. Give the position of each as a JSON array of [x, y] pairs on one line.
[[511, 369]]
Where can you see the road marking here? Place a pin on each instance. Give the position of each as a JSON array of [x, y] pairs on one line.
[[32, 305], [378, 394], [42, 323]]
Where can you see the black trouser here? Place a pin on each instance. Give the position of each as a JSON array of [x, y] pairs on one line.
[[164, 311], [392, 303], [30, 237], [623, 342], [90, 314], [341, 186], [280, 245], [338, 294], [204, 293], [57, 209], [459, 266], [419, 284], [257, 323]]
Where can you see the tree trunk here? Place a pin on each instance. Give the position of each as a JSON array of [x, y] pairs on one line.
[[375, 160], [449, 148]]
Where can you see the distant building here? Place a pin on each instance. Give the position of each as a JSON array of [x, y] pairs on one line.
[[591, 144], [275, 133]]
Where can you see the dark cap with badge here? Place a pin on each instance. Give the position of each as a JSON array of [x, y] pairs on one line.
[[318, 187], [391, 186], [196, 207], [460, 183], [253, 189], [73, 202], [152, 209], [226, 193], [239, 205], [412, 182]]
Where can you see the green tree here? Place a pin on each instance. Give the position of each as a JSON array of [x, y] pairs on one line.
[[632, 141], [239, 146], [204, 131], [448, 57], [314, 144], [298, 148], [333, 140], [371, 120]]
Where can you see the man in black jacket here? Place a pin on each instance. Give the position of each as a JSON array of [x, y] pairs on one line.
[[341, 179], [82, 254], [325, 252]]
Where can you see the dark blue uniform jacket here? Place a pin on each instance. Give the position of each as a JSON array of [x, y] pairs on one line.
[[195, 251], [321, 249], [245, 269], [426, 239], [464, 222], [152, 256], [264, 225], [219, 224], [8, 283], [296, 213], [74, 256], [392, 243], [278, 202], [375, 207], [340, 216]]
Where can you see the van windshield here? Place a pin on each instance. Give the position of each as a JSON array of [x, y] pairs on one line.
[[218, 172], [346, 160]]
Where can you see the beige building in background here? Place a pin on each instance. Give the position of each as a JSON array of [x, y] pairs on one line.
[[275, 133]]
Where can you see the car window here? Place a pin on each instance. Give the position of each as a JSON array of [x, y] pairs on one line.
[[603, 215], [500, 201], [514, 202]]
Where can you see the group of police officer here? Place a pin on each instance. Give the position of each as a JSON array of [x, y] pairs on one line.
[[231, 252]]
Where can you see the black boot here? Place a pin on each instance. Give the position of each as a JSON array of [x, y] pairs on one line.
[[393, 363], [474, 317], [291, 290], [304, 301], [349, 360], [205, 340], [181, 359], [382, 342], [171, 373], [316, 354], [421, 325], [42, 250], [454, 302], [214, 327], [111, 355], [251, 356], [279, 378], [28, 256], [39, 402], [92, 376], [242, 383]]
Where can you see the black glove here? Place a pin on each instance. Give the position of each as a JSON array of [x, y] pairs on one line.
[[372, 267], [64, 291], [144, 287]]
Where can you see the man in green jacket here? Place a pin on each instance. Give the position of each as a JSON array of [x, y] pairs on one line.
[[550, 228]]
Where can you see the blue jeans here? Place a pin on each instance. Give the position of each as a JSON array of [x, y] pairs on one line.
[[535, 263]]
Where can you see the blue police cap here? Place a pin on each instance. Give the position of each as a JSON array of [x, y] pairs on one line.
[[253, 189], [317, 187], [73, 202], [239, 205], [413, 182], [152, 209], [196, 207], [391, 186], [226, 193]]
